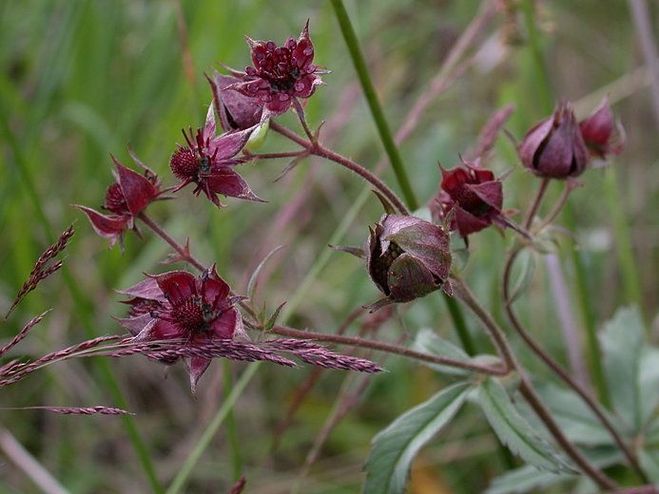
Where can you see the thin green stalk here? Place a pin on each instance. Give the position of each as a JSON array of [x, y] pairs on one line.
[[622, 234], [232, 430], [85, 309], [185, 471], [390, 148], [545, 94]]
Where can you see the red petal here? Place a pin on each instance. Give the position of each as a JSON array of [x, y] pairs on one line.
[[467, 223], [229, 144], [177, 286], [214, 289], [110, 227], [196, 368], [137, 190], [148, 289], [225, 326], [491, 193], [227, 182]]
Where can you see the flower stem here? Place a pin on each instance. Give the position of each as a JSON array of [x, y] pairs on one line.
[[182, 251], [392, 348], [527, 390], [317, 149], [589, 400], [536, 203], [374, 104], [558, 207]]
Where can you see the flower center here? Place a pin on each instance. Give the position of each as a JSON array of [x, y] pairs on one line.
[[193, 314], [115, 200]]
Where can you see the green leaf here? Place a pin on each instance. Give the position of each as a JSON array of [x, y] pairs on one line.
[[649, 460], [623, 342], [514, 431], [430, 342], [575, 418], [395, 447], [529, 479]]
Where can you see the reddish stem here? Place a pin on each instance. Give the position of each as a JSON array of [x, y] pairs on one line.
[[318, 149]]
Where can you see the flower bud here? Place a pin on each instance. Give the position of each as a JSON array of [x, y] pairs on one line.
[[470, 196], [554, 147], [407, 257], [601, 132]]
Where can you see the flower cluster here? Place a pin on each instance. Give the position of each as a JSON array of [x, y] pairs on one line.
[[280, 74]]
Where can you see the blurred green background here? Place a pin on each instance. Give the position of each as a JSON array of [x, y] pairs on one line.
[[82, 79]]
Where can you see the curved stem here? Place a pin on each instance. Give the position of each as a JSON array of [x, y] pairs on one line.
[[527, 390], [381, 346], [536, 203], [318, 149], [558, 207], [589, 400], [272, 156], [182, 251]]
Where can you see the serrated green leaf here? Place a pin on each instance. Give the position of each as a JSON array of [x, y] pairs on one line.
[[395, 447], [575, 419], [514, 431], [430, 342], [623, 340]]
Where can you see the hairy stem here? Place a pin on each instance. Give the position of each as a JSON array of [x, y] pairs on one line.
[[181, 250], [536, 203], [318, 149], [381, 346], [589, 400]]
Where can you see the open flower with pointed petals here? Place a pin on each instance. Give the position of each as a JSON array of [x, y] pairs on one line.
[[602, 133], [178, 305], [127, 197], [280, 73], [208, 161], [407, 258], [470, 197]]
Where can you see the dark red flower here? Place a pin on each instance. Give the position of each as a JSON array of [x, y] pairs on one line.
[[407, 258], [236, 111], [601, 132], [208, 161], [471, 198], [128, 196], [280, 73], [178, 305], [554, 147]]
